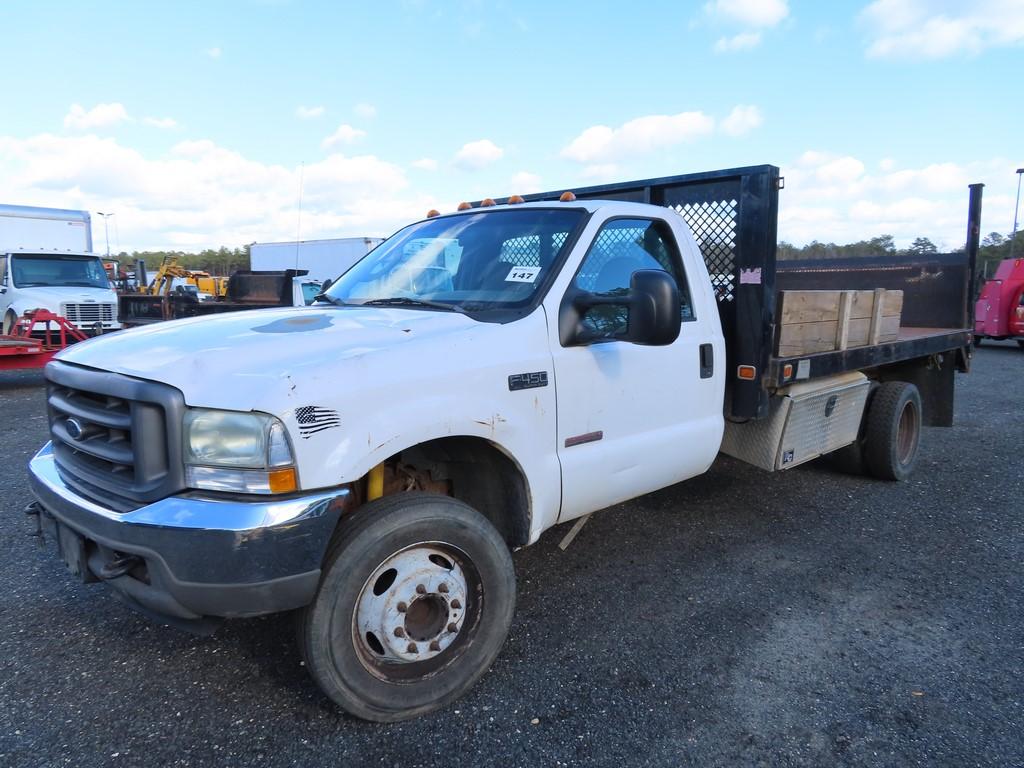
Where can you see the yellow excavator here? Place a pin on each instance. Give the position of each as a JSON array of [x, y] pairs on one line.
[[163, 281]]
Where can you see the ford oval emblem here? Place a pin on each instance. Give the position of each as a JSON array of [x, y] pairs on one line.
[[74, 428]]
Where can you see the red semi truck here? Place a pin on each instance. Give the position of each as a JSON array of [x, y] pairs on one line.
[[999, 312]]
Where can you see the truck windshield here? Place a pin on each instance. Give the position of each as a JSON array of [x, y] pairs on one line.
[[29, 270], [478, 261]]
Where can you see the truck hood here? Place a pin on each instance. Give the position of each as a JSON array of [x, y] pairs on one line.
[[53, 296], [243, 359]]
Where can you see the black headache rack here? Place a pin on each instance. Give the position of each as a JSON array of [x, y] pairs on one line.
[[733, 215]]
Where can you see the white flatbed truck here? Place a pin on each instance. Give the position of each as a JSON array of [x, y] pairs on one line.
[[478, 378]]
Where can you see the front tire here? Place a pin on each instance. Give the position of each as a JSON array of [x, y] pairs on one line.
[[416, 599], [893, 433]]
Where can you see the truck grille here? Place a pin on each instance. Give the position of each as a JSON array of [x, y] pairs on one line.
[[116, 439], [88, 313]]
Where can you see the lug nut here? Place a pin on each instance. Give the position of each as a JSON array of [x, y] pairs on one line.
[[442, 587], [411, 648], [399, 632], [452, 627], [456, 604], [402, 607], [420, 589], [435, 646]]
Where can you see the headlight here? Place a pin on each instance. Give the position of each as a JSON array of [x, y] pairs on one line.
[[237, 452]]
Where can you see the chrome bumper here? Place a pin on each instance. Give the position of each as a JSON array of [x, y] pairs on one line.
[[203, 556]]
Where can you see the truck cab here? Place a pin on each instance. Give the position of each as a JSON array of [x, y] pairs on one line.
[[999, 311], [47, 262], [74, 285]]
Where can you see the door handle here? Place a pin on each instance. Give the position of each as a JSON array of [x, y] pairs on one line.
[[707, 361]]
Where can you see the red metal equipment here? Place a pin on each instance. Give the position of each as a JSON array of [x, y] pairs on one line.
[[20, 350], [999, 313]]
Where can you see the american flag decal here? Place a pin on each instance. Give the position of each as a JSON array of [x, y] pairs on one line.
[[313, 419]]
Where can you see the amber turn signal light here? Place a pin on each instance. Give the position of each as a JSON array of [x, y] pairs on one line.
[[282, 480], [746, 372]]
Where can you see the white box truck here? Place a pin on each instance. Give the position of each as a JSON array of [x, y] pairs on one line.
[[46, 262], [324, 259]]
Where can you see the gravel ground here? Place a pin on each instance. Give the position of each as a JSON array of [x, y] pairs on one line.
[[807, 618]]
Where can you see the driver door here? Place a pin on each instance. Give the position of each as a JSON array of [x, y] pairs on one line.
[[632, 418]]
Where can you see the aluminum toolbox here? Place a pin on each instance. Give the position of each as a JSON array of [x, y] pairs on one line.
[[805, 421]]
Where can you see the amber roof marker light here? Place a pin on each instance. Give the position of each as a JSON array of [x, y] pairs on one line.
[[487, 202], [515, 200], [432, 213], [567, 197], [464, 206]]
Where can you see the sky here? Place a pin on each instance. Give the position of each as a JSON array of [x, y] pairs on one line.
[[201, 124]]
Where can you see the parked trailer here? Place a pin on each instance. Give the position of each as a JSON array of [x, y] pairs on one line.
[[475, 380], [20, 350], [322, 259]]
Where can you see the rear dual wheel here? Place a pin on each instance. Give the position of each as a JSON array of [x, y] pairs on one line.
[[416, 599], [890, 436]]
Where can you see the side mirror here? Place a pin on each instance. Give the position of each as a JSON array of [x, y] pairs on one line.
[[651, 305]]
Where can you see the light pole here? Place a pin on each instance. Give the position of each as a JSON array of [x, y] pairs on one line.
[[1016, 207], [106, 228]]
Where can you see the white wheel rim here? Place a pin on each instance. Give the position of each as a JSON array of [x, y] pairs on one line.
[[412, 607]]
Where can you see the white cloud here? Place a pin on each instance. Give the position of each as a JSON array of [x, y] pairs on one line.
[[741, 42], [834, 198], [933, 29], [309, 113], [600, 143], [161, 122], [750, 13], [478, 154], [345, 134], [524, 182], [743, 119], [100, 116], [365, 111], [601, 172], [200, 194], [425, 164], [214, 53]]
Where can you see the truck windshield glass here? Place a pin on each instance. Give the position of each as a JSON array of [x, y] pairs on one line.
[[58, 270], [477, 261]]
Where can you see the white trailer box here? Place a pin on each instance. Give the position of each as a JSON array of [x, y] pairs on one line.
[[325, 259], [25, 228], [46, 262]]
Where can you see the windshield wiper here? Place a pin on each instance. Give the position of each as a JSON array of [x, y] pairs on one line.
[[333, 300], [406, 301]]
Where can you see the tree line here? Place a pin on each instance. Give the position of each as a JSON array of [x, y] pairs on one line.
[[217, 261], [994, 248]]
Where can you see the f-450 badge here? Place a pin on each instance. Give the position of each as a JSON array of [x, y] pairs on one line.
[[527, 380]]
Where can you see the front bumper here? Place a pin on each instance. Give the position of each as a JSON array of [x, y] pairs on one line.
[[197, 556]]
